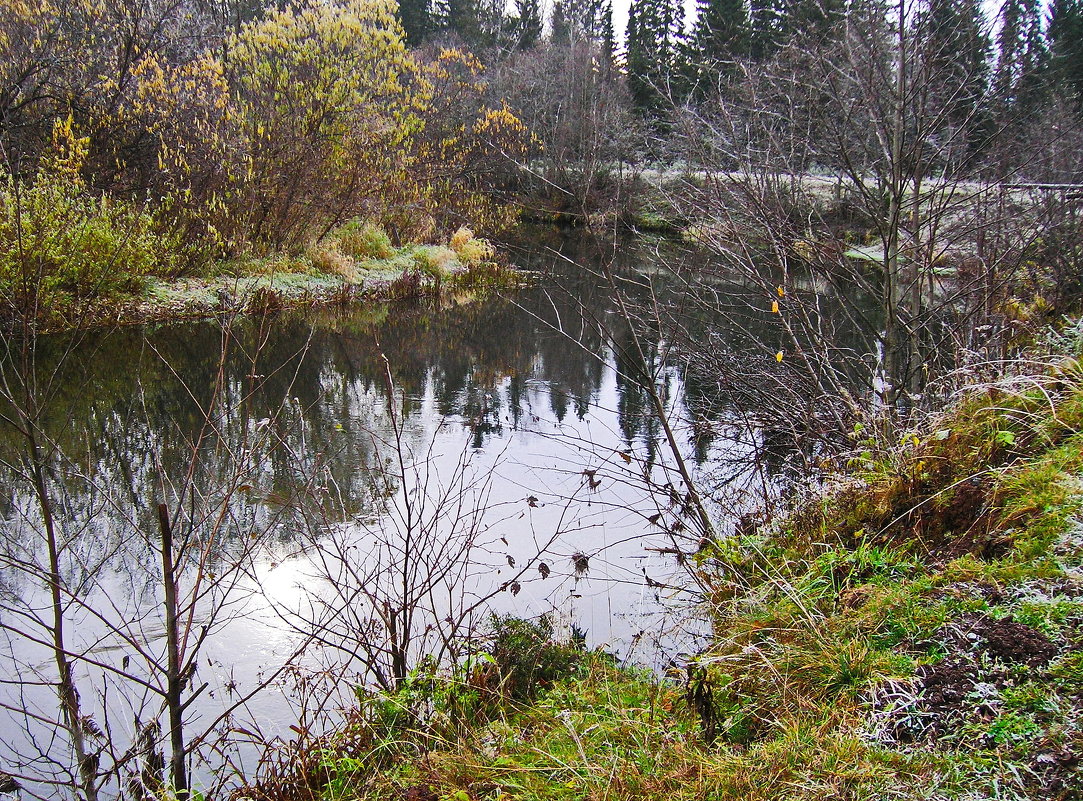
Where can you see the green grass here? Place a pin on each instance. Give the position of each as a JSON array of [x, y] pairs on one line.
[[854, 598], [915, 632], [613, 733]]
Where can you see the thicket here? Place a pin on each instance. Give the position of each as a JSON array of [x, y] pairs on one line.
[[193, 133], [994, 91], [60, 241], [434, 707]]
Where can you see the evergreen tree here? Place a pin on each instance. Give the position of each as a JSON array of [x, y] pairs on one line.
[[819, 18], [719, 38], [765, 27], [773, 22], [1021, 53], [654, 40], [957, 50], [586, 19], [722, 31], [1066, 47], [528, 25], [609, 38], [417, 20], [460, 17], [559, 25]]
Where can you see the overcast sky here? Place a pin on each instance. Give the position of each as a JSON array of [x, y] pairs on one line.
[[620, 13]]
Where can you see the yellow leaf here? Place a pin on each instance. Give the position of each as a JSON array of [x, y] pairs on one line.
[[781, 292], [774, 307], [778, 356]]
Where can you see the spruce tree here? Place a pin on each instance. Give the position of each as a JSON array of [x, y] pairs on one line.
[[462, 17], [417, 21], [559, 24], [722, 31], [528, 25], [957, 50], [1066, 48], [654, 39], [819, 18], [1021, 54], [609, 38], [765, 27], [719, 38]]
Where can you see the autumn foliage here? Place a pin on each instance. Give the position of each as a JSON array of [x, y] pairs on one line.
[[240, 129]]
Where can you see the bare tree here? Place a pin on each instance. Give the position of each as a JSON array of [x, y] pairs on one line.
[[573, 98], [127, 651], [415, 578], [833, 139]]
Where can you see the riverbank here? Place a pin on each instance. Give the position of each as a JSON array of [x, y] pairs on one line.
[[914, 629], [355, 265]]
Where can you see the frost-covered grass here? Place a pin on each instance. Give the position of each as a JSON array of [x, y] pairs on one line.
[[916, 631], [355, 262]]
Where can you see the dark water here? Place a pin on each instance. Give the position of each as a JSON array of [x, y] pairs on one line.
[[316, 465]]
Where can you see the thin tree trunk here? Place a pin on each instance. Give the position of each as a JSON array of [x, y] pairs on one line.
[[69, 696], [174, 680], [892, 244]]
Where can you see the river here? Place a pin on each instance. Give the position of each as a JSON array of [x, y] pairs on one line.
[[348, 487]]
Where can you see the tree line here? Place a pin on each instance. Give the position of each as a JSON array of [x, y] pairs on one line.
[[241, 124], [1026, 56]]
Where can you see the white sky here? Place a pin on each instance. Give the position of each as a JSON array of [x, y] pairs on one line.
[[620, 13]]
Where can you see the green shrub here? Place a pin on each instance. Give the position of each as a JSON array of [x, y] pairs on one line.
[[58, 241], [364, 241], [529, 658]]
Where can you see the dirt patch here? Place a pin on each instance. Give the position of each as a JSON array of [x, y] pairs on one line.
[[949, 524], [1018, 644], [420, 792], [1005, 640], [946, 686], [981, 660], [948, 694]]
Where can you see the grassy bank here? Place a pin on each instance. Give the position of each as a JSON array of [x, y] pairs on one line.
[[914, 630], [355, 263]]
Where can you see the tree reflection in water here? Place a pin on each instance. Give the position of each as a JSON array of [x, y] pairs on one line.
[[533, 405]]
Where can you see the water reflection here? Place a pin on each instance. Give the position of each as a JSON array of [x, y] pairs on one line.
[[272, 441]]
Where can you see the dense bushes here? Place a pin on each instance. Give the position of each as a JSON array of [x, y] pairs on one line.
[[235, 137], [318, 114], [59, 241]]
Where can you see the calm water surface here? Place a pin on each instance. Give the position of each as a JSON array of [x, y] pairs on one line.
[[527, 447]]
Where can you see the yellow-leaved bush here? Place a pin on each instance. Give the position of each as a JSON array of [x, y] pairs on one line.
[[462, 164], [319, 114], [263, 136], [325, 97], [60, 241]]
